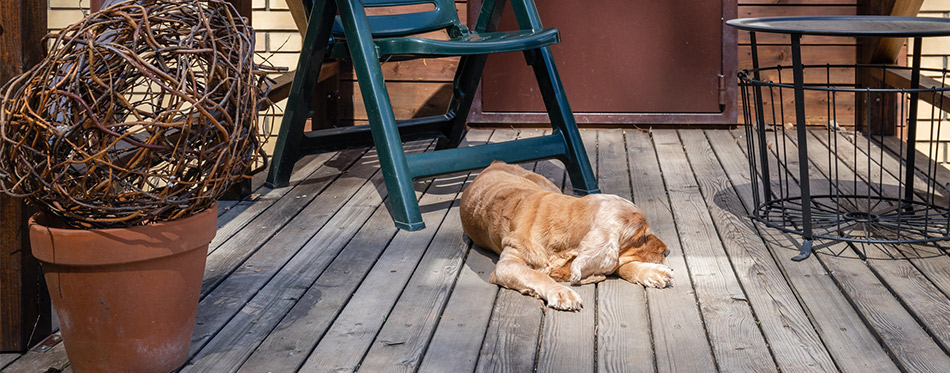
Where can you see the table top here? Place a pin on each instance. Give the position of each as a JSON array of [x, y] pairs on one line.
[[872, 26]]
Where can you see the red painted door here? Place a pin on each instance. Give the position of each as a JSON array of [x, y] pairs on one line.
[[620, 59]]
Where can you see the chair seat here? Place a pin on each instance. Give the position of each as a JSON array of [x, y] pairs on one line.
[[470, 44]]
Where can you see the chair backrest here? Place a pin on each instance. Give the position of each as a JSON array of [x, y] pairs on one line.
[[407, 17]]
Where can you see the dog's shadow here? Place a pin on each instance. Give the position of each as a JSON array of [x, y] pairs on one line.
[[480, 261]]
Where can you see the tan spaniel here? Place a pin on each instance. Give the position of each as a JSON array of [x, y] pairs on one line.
[[544, 236]]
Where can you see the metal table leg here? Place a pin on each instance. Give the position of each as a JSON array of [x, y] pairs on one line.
[[912, 125], [799, 76]]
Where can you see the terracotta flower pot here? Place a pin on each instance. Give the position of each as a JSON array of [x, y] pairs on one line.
[[126, 298]]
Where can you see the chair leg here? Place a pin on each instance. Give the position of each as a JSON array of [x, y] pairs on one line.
[[562, 120], [287, 149], [467, 77], [392, 158], [466, 82]]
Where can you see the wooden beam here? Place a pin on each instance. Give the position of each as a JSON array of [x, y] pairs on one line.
[[902, 79], [877, 112], [24, 303], [96, 5], [283, 81], [325, 103], [888, 49], [300, 15], [243, 8]]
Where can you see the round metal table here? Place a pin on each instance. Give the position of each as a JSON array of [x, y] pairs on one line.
[[835, 217]]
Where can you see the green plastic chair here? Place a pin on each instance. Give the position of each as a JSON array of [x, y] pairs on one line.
[[368, 39]]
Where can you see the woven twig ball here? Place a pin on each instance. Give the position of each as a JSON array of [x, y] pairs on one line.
[[145, 111]]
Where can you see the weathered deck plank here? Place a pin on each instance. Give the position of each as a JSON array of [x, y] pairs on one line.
[[623, 323], [511, 340], [401, 343], [674, 314], [791, 336], [568, 338], [219, 307], [733, 331], [514, 329], [281, 270], [7, 358], [354, 330], [458, 338], [351, 334], [291, 340], [240, 213], [229, 255], [899, 147], [937, 270], [919, 295], [913, 348], [623, 328], [52, 360], [851, 343], [915, 291]]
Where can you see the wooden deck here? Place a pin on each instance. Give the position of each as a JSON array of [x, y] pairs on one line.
[[314, 277]]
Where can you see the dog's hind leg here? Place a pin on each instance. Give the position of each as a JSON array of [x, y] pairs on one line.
[[646, 274], [513, 273]]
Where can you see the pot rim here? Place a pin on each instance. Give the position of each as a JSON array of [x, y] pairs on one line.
[[107, 246]]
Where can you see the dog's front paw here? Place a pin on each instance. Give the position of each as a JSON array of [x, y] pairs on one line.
[[563, 298], [647, 274], [657, 275]]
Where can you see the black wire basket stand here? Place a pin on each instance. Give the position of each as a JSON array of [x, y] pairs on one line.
[[862, 187]]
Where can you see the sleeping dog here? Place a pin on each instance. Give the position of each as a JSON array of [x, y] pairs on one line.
[[544, 236]]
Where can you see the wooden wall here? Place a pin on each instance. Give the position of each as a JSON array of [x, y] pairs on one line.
[[774, 49], [24, 305], [423, 87], [417, 88]]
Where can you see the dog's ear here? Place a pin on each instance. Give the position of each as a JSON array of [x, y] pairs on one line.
[[634, 230], [639, 244]]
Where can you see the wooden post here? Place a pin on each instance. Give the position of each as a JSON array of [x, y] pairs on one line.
[[877, 114], [300, 15], [96, 5], [242, 188], [24, 303], [243, 8]]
